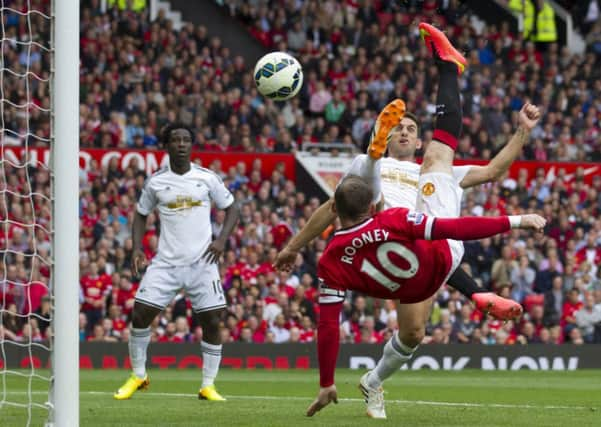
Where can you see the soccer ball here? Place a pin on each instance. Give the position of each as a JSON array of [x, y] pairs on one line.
[[278, 76]]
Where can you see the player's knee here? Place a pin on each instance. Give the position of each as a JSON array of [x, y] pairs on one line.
[[431, 159], [140, 318], [137, 320], [210, 323], [412, 337]]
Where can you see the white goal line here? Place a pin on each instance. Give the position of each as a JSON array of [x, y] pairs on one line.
[[350, 399]]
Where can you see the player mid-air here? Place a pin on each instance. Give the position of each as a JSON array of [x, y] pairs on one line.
[[186, 259], [401, 254], [394, 181]]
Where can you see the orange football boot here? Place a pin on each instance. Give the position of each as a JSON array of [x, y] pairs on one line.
[[388, 118], [434, 38], [497, 306]]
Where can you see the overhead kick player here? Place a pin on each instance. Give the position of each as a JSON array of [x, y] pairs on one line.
[[389, 256]]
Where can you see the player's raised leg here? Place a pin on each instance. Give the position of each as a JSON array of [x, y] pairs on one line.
[[439, 45], [398, 350], [438, 192], [368, 166], [487, 302], [142, 317], [439, 154], [388, 118]]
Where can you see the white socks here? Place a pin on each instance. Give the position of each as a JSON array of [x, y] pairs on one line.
[[211, 358], [371, 171], [395, 354], [138, 344], [368, 169]]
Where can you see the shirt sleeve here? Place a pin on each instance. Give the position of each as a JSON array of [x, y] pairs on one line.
[[414, 225], [328, 341], [417, 225], [468, 228], [219, 193], [459, 172], [147, 201]]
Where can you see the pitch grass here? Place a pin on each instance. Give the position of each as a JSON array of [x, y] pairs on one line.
[[279, 398]]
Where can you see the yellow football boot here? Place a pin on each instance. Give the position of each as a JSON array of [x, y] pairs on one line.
[[210, 393], [132, 385]]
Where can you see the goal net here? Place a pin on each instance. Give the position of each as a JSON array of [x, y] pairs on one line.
[[28, 283]]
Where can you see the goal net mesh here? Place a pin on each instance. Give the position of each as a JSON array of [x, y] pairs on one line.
[[25, 211]]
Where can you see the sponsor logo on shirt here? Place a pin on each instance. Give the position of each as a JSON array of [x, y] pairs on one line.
[[392, 175], [415, 217], [183, 203]]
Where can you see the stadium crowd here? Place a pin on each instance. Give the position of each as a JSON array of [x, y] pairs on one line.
[[137, 76]]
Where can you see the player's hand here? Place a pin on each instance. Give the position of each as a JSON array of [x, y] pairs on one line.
[[529, 116], [214, 251], [285, 259], [325, 396], [533, 222], [139, 261]]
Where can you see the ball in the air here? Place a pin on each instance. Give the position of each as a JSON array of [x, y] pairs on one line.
[[278, 76]]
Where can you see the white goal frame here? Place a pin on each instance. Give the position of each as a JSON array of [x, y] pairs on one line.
[[64, 393]]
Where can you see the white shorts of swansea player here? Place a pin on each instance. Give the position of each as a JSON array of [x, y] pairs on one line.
[[200, 281], [439, 195]]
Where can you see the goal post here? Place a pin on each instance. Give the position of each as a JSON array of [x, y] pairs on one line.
[[65, 165]]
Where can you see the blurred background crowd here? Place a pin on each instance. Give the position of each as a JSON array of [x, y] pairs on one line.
[[138, 75]]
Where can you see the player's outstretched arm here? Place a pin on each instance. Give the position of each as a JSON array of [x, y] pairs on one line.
[[328, 342], [138, 230], [528, 118], [319, 221], [474, 228], [217, 246]]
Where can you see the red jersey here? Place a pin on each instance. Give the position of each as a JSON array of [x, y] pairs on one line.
[[95, 288], [281, 233], [125, 299], [249, 272], [383, 258], [386, 257], [592, 255]]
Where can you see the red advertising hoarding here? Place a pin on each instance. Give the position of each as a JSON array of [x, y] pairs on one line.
[[151, 160], [327, 171]]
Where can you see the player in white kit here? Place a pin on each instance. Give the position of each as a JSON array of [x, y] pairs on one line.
[[186, 258], [395, 182]]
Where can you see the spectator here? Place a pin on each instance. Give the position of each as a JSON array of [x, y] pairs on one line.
[[570, 307], [502, 268], [464, 326], [280, 333], [522, 278], [588, 318]]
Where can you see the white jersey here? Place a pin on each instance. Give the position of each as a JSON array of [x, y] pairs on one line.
[[400, 181], [184, 205]]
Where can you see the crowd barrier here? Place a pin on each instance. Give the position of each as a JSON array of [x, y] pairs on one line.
[[453, 357]]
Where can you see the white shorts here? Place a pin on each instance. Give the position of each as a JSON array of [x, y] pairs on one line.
[[200, 281], [440, 196]]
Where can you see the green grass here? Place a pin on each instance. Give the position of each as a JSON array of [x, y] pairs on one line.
[[279, 398]]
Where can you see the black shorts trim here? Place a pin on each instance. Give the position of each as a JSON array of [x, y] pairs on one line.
[[215, 307], [148, 303]]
